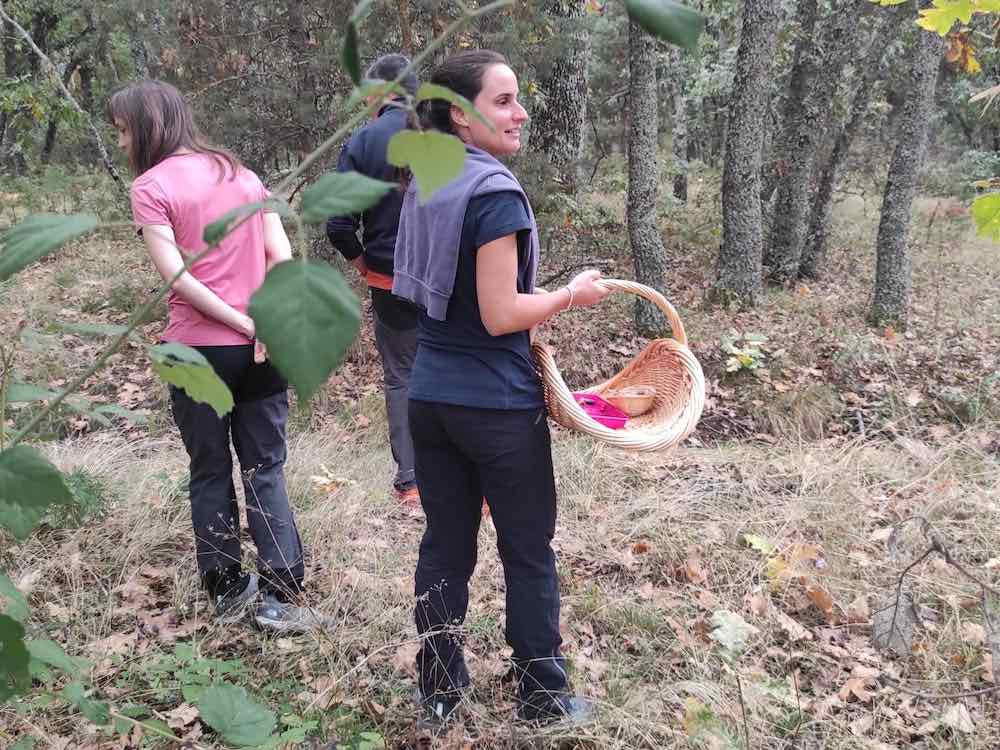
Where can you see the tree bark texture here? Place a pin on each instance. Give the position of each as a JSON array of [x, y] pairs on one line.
[[891, 299], [740, 257], [679, 125], [803, 70], [821, 64], [648, 253], [558, 131], [813, 260]]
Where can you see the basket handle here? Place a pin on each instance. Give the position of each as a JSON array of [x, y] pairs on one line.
[[641, 290]]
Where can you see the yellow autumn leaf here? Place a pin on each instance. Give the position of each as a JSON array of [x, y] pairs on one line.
[[944, 14]]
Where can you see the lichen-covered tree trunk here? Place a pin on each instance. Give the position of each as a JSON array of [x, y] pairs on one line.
[[643, 175], [558, 131], [679, 125], [813, 260], [803, 69], [741, 252], [822, 64], [891, 299]]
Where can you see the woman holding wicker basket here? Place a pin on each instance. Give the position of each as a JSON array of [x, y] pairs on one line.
[[468, 259]]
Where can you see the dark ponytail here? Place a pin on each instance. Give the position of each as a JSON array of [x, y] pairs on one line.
[[462, 73]]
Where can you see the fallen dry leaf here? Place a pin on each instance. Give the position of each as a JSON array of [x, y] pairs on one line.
[[957, 717], [180, 717], [758, 604], [693, 571], [405, 658], [854, 688], [820, 598], [973, 633], [165, 628], [858, 610], [795, 631]]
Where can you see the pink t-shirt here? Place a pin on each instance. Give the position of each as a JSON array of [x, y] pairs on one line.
[[184, 192]]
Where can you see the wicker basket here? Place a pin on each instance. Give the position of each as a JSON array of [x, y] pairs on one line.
[[665, 364]]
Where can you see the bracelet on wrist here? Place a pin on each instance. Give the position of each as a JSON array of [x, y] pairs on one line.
[[570, 303]]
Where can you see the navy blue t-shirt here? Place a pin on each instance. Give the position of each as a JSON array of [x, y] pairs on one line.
[[458, 361]]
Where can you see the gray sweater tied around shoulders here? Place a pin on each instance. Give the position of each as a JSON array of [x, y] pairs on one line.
[[427, 244]]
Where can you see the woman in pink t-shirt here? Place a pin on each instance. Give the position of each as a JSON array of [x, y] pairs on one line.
[[182, 184]]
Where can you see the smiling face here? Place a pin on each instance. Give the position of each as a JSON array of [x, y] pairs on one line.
[[497, 101]]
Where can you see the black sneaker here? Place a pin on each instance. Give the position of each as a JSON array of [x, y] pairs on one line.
[[569, 709], [284, 617], [436, 710], [232, 605]]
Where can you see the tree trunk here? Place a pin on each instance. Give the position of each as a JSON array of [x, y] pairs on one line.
[[891, 299], [814, 247], [822, 65], [405, 27], [679, 125], [53, 128], [558, 131], [740, 256], [643, 176], [306, 104], [803, 69]]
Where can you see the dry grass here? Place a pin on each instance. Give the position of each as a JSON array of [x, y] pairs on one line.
[[649, 548]]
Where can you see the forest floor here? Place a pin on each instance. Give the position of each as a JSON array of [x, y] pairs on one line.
[[723, 595]]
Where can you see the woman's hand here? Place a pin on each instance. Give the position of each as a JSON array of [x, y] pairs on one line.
[[587, 289], [246, 326]]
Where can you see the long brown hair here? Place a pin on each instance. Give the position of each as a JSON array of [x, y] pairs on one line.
[[160, 121]]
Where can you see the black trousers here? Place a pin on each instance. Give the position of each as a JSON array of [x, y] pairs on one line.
[[256, 426], [463, 455]]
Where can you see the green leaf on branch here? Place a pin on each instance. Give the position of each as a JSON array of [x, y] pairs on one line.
[[222, 226], [360, 11], [670, 21], [231, 712], [12, 602], [22, 393], [433, 91], [51, 653], [38, 235], [434, 158], [349, 56], [92, 329], [29, 484], [340, 194], [14, 659], [307, 316], [187, 369], [986, 213], [944, 14], [95, 711]]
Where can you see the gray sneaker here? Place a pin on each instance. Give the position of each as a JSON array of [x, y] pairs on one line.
[[232, 608], [284, 617]]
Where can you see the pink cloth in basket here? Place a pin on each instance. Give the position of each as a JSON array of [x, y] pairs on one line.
[[601, 411]]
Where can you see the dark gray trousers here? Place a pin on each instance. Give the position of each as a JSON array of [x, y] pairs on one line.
[[396, 341], [256, 426]]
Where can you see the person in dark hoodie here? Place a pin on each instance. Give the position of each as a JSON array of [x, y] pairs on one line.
[[467, 257], [372, 256]]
